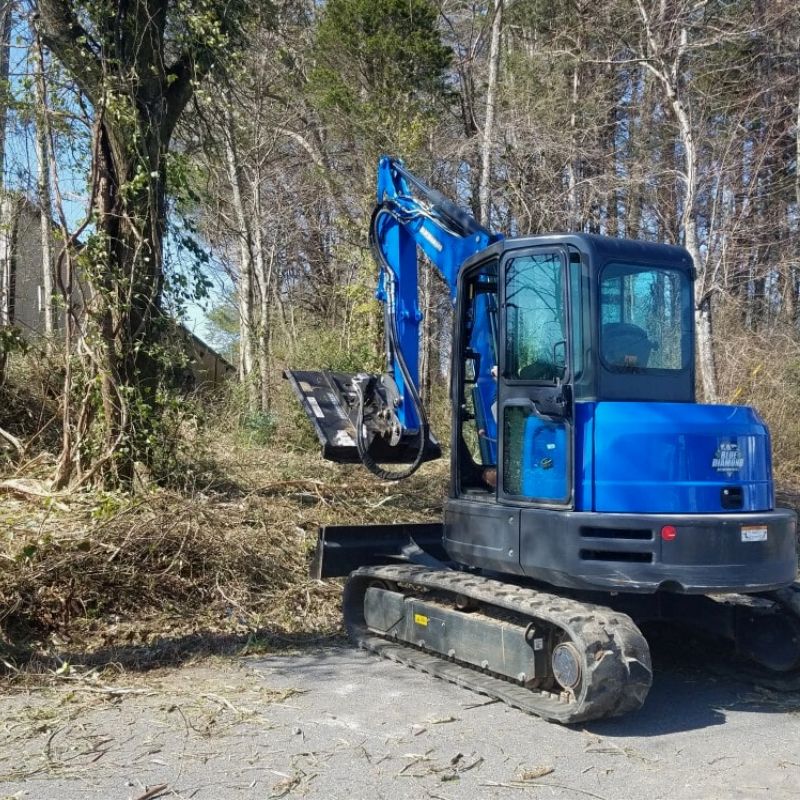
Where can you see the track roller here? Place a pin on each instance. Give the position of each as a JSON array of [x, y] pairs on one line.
[[558, 658]]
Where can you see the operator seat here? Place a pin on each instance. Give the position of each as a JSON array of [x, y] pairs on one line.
[[625, 345]]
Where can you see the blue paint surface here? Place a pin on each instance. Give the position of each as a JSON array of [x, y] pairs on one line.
[[672, 457], [413, 226], [583, 432], [545, 459]]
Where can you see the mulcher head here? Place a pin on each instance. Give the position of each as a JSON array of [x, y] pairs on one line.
[[331, 401]]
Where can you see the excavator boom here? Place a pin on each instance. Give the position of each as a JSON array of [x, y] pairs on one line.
[[378, 419]]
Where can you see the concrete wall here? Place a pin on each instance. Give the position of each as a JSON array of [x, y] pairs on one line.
[[22, 301], [26, 256]]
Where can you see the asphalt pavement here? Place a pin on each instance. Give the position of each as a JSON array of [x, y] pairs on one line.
[[336, 723]]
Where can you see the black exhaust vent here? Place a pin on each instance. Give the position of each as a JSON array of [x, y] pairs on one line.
[[622, 556], [643, 535]]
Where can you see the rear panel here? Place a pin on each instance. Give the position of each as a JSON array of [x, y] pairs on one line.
[[680, 458]]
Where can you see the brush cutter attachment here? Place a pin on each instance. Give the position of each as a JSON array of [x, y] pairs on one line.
[[354, 419]]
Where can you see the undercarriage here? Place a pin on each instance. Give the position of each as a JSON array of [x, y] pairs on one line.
[[561, 659], [567, 657]]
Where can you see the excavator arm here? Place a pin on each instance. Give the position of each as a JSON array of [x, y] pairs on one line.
[[379, 419]]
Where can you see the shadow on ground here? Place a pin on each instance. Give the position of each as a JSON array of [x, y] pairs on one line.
[[177, 651], [697, 681], [696, 684]]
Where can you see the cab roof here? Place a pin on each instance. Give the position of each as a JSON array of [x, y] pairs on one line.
[[600, 249]]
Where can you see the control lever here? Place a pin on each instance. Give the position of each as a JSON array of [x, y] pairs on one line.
[[553, 401]]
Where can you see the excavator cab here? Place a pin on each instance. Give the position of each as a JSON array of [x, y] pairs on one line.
[[577, 440], [545, 326]]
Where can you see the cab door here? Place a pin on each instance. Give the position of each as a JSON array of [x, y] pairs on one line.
[[535, 434]]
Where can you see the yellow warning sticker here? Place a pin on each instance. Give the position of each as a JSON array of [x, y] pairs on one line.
[[421, 619]]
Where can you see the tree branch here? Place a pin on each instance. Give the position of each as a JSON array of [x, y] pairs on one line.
[[186, 71], [70, 43], [13, 441]]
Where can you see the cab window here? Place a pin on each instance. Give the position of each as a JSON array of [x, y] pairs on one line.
[[536, 318], [645, 319]]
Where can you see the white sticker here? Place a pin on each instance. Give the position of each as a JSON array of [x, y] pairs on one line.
[[754, 533], [538, 644], [312, 401], [343, 439], [728, 458], [431, 239], [331, 397]]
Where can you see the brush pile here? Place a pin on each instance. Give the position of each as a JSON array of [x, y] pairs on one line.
[[91, 574]]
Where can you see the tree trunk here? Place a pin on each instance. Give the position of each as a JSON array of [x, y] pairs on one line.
[[126, 279], [263, 271], [43, 137], [485, 188], [797, 150], [573, 166], [247, 355], [6, 18], [5, 221]]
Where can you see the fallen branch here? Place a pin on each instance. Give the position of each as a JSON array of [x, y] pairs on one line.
[[29, 489], [13, 441], [154, 792]]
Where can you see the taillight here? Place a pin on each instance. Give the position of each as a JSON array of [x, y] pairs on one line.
[[669, 532]]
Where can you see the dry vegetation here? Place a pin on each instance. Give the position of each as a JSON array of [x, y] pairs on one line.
[[762, 368], [218, 560], [216, 563]]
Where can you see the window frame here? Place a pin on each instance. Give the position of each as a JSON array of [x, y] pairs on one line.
[[520, 392]]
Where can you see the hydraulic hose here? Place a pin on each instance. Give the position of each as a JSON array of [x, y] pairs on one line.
[[394, 348]]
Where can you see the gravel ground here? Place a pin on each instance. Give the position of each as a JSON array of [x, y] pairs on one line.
[[336, 723]]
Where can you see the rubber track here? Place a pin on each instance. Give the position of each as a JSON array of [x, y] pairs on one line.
[[616, 667], [789, 598]]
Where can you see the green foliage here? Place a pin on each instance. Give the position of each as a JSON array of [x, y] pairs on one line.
[[11, 341], [106, 506], [354, 345], [187, 262], [393, 45], [258, 427], [379, 62], [223, 328]]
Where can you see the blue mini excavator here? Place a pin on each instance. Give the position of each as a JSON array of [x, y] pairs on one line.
[[590, 492]]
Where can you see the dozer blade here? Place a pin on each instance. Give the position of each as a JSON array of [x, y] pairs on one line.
[[343, 548], [331, 403]]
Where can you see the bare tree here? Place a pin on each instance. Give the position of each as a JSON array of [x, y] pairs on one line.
[[245, 288], [664, 60], [487, 142], [43, 157], [6, 11]]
